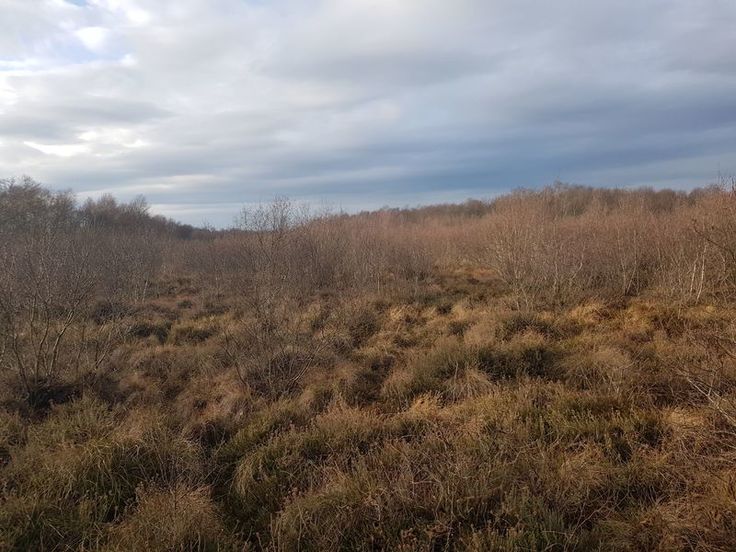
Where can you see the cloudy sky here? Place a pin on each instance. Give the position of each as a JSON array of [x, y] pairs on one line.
[[203, 105]]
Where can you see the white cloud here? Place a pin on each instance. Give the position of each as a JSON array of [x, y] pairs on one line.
[[94, 38], [113, 137], [59, 150]]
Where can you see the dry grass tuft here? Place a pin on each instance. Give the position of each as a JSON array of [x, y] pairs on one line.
[[551, 370], [179, 518]]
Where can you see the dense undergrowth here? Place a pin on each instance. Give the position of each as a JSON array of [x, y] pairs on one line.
[[442, 406]]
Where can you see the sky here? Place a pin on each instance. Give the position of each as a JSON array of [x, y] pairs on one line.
[[205, 105]]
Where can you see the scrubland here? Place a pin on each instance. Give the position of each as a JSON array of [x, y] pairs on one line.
[[548, 370]]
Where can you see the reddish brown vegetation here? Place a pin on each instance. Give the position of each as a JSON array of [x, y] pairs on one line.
[[548, 370]]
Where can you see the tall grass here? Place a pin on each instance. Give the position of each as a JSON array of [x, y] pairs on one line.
[[549, 370]]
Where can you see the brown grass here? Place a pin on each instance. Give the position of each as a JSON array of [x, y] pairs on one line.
[[548, 371]]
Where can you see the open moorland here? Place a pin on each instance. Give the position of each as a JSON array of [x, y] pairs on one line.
[[548, 370]]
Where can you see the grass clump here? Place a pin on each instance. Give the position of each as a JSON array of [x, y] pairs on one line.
[[145, 329], [192, 331], [174, 518], [525, 355], [364, 323], [548, 371], [80, 469]]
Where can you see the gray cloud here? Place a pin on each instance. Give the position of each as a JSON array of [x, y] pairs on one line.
[[203, 106]]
